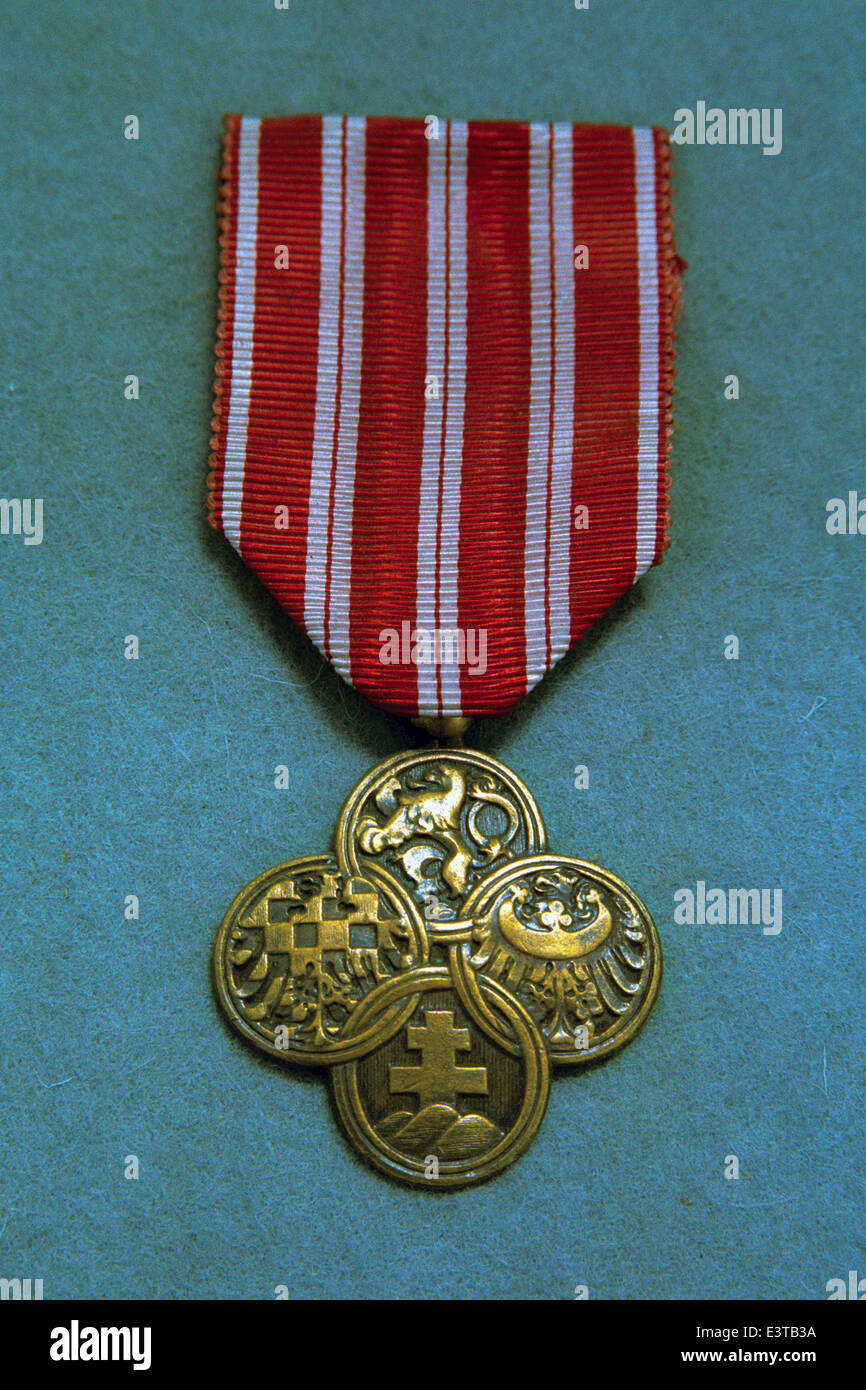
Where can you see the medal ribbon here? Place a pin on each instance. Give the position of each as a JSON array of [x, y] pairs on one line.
[[443, 396]]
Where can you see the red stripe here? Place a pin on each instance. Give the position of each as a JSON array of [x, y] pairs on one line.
[[391, 418], [668, 302], [283, 395], [338, 392], [228, 227], [496, 420], [446, 368], [606, 370]]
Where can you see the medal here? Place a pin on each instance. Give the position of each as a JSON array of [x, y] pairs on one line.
[[441, 440]]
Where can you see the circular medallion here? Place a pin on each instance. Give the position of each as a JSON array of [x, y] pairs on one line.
[[438, 821], [442, 1104], [302, 946], [572, 943]]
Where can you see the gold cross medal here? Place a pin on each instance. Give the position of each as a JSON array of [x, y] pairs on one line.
[[441, 440]]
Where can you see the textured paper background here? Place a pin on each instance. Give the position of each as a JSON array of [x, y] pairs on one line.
[[156, 777]]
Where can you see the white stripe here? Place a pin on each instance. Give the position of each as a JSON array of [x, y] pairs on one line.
[[648, 429], [428, 512], [326, 380], [537, 498], [563, 400], [350, 399], [453, 463], [242, 330]]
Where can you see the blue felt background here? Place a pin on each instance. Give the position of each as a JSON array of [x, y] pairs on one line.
[[156, 777]]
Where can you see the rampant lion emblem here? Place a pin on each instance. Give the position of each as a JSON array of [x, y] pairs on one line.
[[442, 804]]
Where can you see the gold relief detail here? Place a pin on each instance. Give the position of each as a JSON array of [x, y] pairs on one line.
[[476, 1106], [573, 943], [299, 949], [438, 963], [438, 821]]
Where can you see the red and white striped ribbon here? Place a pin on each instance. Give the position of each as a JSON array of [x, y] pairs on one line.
[[422, 381]]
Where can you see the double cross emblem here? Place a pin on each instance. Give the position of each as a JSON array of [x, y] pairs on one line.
[[438, 964], [439, 1080]]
